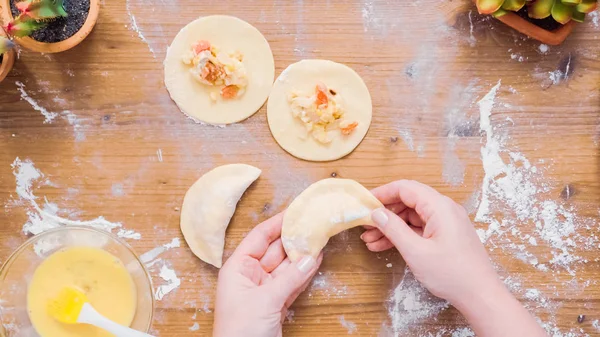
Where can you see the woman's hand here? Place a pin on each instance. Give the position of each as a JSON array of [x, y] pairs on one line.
[[439, 243], [434, 236], [258, 283]]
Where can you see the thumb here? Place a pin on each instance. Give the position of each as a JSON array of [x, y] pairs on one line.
[[293, 278], [396, 230]]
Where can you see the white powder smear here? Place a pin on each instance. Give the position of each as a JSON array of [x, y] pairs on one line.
[[195, 327], [463, 332], [351, 326], [411, 303], [48, 115], [46, 217], [134, 26], [152, 254], [511, 185], [173, 282]]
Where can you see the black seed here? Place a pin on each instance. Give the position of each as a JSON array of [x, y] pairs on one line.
[[333, 174], [332, 92], [106, 117], [393, 139], [580, 318]]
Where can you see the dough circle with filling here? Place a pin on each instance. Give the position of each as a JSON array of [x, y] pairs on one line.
[[289, 131], [323, 210], [229, 34]]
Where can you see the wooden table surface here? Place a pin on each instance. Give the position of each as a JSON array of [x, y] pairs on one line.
[[121, 149]]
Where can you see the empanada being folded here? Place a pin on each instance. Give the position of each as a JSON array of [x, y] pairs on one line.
[[208, 207], [323, 210]]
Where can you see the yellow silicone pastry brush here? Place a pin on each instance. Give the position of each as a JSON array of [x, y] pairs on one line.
[[71, 306]]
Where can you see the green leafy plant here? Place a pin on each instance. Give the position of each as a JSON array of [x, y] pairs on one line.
[[5, 45], [35, 14], [562, 11]]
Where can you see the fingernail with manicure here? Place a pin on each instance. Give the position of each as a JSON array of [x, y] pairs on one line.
[[306, 264], [379, 217]]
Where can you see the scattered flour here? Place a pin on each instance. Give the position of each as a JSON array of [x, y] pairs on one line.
[[596, 324], [134, 26], [543, 48], [159, 155], [411, 303], [173, 282], [325, 283], [351, 326], [289, 315], [195, 327], [48, 115], [46, 217], [511, 185], [595, 16], [152, 254], [464, 332]]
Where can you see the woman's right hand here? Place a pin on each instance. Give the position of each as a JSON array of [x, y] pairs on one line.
[[439, 243], [434, 236]]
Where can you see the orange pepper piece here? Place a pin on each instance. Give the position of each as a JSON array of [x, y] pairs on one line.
[[321, 91], [348, 129], [229, 91], [201, 46]]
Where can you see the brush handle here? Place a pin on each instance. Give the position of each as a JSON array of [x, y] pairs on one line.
[[89, 315]]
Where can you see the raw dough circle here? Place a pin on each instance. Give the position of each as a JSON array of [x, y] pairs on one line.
[[321, 211], [303, 76], [229, 34]]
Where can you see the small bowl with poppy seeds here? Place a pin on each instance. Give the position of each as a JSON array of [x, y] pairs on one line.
[[53, 35]]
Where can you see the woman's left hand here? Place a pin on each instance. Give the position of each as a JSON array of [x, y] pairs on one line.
[[258, 283]]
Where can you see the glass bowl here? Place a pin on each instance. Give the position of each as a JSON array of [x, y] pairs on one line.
[[18, 270]]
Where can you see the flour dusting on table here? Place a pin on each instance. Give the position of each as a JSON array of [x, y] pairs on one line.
[[350, 326], [171, 283], [151, 255], [45, 217], [134, 26], [411, 303], [49, 116]]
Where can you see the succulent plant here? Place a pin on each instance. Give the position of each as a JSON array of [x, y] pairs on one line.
[[562, 11], [34, 15], [5, 45]]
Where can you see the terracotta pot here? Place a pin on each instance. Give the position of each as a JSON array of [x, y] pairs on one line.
[[521, 25], [554, 37], [55, 47], [8, 60]]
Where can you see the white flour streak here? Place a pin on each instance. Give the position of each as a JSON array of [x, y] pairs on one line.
[[595, 16], [48, 115], [43, 218], [371, 21], [411, 303], [159, 155], [351, 326], [154, 253], [407, 138], [173, 282], [464, 332], [195, 327], [596, 324], [135, 28], [510, 187]]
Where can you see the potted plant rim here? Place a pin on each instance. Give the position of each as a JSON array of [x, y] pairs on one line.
[[548, 21], [7, 55], [49, 26]]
